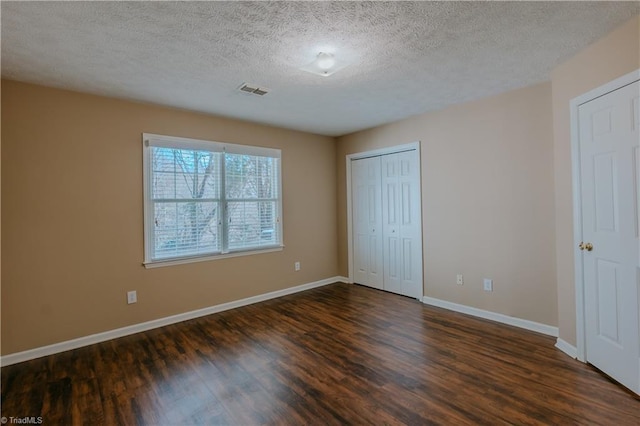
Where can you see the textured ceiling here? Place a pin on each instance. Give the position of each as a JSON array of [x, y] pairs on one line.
[[405, 58]]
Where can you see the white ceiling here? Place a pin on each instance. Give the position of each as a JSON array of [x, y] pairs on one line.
[[405, 58]]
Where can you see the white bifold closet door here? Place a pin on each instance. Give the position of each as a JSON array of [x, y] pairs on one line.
[[387, 223]]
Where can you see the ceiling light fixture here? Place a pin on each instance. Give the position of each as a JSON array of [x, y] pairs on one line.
[[325, 61], [325, 64]]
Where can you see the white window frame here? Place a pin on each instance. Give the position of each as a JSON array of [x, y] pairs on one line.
[[150, 140]]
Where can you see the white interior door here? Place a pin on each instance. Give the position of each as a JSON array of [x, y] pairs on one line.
[[401, 222], [610, 178], [367, 222]]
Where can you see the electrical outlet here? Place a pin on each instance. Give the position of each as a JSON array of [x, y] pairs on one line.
[[488, 284], [296, 266], [132, 297], [459, 279]]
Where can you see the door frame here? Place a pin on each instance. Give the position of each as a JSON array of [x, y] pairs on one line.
[[581, 338], [412, 146]]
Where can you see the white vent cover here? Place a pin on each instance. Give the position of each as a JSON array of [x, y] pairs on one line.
[[253, 89]]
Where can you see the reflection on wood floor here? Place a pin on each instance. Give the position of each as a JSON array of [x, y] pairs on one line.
[[338, 354]]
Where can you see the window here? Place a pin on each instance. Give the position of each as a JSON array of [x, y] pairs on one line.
[[208, 199]]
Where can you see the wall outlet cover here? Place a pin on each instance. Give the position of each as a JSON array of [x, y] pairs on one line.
[[488, 284]]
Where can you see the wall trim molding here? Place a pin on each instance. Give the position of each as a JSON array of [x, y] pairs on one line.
[[67, 345], [567, 348], [493, 316]]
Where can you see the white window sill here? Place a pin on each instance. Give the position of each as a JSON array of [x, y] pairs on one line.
[[172, 262]]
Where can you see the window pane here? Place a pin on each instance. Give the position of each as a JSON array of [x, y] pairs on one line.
[[163, 159], [163, 186], [208, 186], [186, 228], [250, 176], [185, 174], [184, 186], [266, 177], [252, 224]]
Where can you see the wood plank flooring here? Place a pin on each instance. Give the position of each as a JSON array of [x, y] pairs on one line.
[[339, 354]]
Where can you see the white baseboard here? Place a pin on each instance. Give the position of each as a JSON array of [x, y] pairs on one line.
[[567, 348], [493, 316], [161, 322]]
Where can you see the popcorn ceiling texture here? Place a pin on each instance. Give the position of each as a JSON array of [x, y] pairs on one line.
[[406, 57]]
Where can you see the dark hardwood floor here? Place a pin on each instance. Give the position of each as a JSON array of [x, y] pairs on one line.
[[340, 354]]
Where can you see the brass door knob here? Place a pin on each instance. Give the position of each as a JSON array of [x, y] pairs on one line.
[[585, 246]]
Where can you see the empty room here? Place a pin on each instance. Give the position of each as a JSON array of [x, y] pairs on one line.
[[320, 212]]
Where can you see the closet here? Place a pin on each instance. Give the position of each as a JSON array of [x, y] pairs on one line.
[[386, 222]]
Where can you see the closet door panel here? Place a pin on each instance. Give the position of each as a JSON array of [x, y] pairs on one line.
[[391, 218], [410, 226], [367, 222]]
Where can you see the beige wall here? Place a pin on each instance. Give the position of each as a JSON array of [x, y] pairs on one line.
[[487, 187], [72, 244], [613, 56]]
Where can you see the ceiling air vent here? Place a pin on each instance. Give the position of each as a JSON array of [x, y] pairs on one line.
[[253, 89]]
